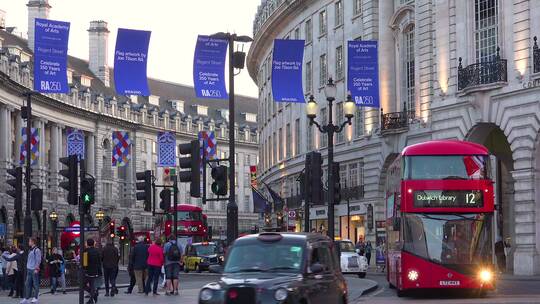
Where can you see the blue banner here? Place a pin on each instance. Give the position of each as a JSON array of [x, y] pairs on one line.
[[166, 149], [363, 73], [287, 70], [209, 68], [130, 58], [50, 56]]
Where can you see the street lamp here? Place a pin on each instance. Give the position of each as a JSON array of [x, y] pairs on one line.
[[99, 216], [53, 216], [236, 60], [349, 108]]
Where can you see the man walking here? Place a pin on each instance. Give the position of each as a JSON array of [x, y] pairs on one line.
[[172, 252], [92, 270], [110, 258], [140, 256], [32, 273]]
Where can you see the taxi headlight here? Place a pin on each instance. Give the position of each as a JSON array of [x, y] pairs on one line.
[[206, 294], [280, 294], [412, 275], [485, 275]]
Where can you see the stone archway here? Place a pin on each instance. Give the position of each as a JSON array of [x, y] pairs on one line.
[[502, 165]]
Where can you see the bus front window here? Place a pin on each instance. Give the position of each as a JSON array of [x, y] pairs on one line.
[[446, 167], [454, 240], [189, 216]]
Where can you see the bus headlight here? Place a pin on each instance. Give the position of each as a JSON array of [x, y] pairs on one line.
[[412, 275], [485, 275], [280, 294], [206, 294]]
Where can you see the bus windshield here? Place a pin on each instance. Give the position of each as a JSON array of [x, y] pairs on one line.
[[453, 240], [424, 167], [189, 215]]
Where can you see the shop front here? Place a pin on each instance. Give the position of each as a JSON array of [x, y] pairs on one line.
[[352, 224], [319, 219]]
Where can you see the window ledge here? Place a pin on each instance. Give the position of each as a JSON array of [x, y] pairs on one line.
[[356, 16], [308, 43], [481, 88], [338, 26], [321, 36]]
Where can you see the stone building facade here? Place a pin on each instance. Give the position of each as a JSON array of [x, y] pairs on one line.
[[93, 107], [466, 70]]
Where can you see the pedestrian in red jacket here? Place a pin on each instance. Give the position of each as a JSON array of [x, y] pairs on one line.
[[154, 261]]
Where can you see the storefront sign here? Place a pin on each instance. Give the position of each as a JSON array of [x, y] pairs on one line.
[[320, 212], [448, 199], [287, 60], [363, 73], [209, 68], [50, 56], [370, 216], [130, 58]]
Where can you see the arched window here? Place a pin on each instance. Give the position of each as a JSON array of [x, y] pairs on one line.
[[408, 70]]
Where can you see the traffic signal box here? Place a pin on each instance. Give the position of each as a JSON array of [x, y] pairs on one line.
[[122, 234], [16, 183], [313, 183], [219, 175], [144, 183], [191, 161], [87, 193], [71, 173], [111, 230], [165, 202]]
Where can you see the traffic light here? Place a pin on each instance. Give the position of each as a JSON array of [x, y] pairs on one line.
[[111, 230], [87, 193], [193, 162], [165, 203], [336, 188], [219, 186], [71, 174], [36, 199], [146, 186], [313, 173], [267, 219], [122, 233], [16, 183]]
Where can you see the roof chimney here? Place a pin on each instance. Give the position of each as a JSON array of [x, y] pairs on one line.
[[99, 49], [36, 9]]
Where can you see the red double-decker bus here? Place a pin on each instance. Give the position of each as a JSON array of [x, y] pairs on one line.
[[191, 223], [439, 218]]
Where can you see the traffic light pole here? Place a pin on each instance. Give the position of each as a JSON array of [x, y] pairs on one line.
[[82, 255], [175, 203], [232, 207], [28, 176]]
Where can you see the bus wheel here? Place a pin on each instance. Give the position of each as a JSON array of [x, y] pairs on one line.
[[198, 268], [400, 293]]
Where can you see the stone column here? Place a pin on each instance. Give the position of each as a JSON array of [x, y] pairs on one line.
[[90, 154], [56, 148], [526, 256], [18, 136], [5, 130]]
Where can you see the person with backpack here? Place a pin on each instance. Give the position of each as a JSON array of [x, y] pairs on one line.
[[173, 256], [33, 262], [92, 270]]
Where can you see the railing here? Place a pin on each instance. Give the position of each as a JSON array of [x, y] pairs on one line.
[[536, 57], [482, 73], [396, 120]]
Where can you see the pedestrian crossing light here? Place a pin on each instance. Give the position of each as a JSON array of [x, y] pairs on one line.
[[219, 186], [72, 175]]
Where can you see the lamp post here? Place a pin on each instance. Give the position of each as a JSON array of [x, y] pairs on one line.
[[99, 216], [330, 129], [236, 60], [53, 216]]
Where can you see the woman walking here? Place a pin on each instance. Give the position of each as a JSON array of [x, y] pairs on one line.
[[54, 261], [155, 261], [368, 250], [11, 271]]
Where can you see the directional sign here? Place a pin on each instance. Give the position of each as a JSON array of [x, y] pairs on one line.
[[76, 229]]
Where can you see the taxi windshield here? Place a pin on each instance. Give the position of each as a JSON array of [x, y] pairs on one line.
[[346, 247], [265, 257], [206, 249]]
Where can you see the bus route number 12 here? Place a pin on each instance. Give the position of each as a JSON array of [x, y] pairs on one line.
[[470, 199]]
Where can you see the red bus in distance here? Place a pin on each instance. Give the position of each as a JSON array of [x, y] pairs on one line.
[[191, 223], [439, 218]]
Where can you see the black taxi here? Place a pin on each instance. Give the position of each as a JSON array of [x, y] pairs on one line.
[[274, 267]]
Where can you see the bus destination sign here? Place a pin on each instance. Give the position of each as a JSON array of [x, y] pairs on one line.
[[448, 199]]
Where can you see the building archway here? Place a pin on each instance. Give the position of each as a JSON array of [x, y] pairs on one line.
[[502, 164]]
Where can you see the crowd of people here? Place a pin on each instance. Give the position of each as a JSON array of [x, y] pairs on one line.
[[148, 264]]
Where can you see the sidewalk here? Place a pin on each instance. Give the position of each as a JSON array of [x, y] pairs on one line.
[[359, 287]]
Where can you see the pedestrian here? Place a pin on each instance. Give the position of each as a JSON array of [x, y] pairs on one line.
[[92, 270], [131, 273], [4, 252], [162, 277], [33, 262], [110, 259], [368, 249], [54, 260], [11, 271], [62, 278], [500, 254], [140, 256], [155, 261], [21, 266], [173, 255], [360, 246]]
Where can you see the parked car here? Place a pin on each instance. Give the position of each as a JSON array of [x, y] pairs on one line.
[[350, 259], [273, 267], [199, 256]]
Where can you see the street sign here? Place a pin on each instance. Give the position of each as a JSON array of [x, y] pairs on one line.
[[292, 214]]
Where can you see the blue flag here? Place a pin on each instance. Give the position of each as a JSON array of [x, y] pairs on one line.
[[209, 68], [363, 73], [260, 204], [287, 70], [130, 58], [278, 201], [50, 56]]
